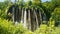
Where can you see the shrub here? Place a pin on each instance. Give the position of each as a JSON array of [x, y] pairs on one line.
[[6, 27], [42, 29]]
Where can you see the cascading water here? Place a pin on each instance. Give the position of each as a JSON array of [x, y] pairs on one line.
[[30, 18], [13, 15], [25, 20], [22, 16], [40, 17], [36, 18]]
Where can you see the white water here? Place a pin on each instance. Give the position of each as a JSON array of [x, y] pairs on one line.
[[29, 20], [22, 20], [25, 23], [13, 15], [40, 17], [16, 23], [36, 18]]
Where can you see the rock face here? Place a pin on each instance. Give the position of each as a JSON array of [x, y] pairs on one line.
[[30, 17]]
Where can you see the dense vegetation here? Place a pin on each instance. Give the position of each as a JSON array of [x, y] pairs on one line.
[[51, 10]]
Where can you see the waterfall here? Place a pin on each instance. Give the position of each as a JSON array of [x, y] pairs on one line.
[[13, 15], [22, 17], [36, 18], [29, 20], [40, 16], [16, 22], [25, 20]]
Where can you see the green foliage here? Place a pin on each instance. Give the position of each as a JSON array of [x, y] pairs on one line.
[[6, 27], [44, 29], [48, 8], [51, 22], [28, 3], [3, 14], [56, 2], [56, 15], [36, 2]]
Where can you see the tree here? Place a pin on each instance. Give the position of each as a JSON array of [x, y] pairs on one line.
[[56, 2], [36, 2], [56, 15], [48, 8], [28, 3], [21, 2]]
